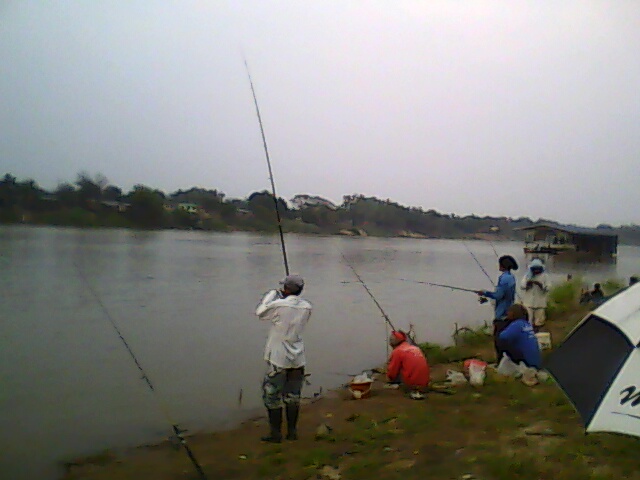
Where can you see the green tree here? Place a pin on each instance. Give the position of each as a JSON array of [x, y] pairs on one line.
[[262, 206], [112, 193], [29, 195], [67, 195], [8, 191], [90, 190], [180, 218], [147, 207]]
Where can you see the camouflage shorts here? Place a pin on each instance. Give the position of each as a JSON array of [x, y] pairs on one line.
[[282, 385]]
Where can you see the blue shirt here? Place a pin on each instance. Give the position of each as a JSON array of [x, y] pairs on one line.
[[520, 343], [504, 295]]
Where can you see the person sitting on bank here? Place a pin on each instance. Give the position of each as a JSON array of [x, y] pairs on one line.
[[407, 364], [517, 339], [596, 294], [535, 289], [504, 295]]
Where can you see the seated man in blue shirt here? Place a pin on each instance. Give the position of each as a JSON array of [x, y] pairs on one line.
[[518, 340]]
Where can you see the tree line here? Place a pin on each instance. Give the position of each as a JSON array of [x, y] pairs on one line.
[[92, 201]]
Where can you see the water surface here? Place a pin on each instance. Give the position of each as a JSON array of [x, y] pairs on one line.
[[185, 303]]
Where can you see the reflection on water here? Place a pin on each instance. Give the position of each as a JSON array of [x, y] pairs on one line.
[[185, 301]]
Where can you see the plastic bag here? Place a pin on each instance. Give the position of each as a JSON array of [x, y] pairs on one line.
[[529, 376], [542, 376], [522, 369], [456, 378], [507, 367], [477, 373], [362, 378]]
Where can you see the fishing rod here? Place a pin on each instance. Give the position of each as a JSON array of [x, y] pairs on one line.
[[439, 285], [452, 287], [163, 408], [273, 185], [386, 317]]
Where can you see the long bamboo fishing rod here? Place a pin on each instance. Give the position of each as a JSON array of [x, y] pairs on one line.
[[163, 408], [273, 185], [384, 314]]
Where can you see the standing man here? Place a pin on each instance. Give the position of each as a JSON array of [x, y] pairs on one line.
[[284, 354], [535, 290], [504, 295]]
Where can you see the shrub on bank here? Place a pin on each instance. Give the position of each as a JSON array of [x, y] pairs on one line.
[[564, 297]]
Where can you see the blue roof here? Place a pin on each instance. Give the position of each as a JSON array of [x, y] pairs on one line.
[[601, 232]]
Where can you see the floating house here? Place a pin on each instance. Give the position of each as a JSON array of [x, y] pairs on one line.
[[562, 239]]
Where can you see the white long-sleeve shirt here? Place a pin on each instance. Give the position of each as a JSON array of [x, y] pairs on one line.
[[288, 317], [535, 297]]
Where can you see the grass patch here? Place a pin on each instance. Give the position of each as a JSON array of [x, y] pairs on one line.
[[564, 297], [439, 354], [364, 467], [102, 458], [472, 338], [315, 458], [469, 343], [613, 285]]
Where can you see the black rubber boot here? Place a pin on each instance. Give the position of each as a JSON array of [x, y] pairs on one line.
[[275, 426], [292, 421]]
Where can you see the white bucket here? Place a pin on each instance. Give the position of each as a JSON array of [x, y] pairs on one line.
[[544, 340]]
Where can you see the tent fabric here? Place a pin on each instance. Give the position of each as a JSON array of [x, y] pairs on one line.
[[623, 310], [619, 411], [587, 362]]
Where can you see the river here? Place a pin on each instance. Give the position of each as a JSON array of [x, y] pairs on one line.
[[184, 301]]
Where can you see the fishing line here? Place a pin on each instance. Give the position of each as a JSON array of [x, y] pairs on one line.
[[384, 314], [494, 249], [273, 185], [162, 406], [479, 264]]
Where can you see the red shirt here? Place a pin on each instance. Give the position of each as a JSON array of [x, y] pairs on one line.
[[408, 361]]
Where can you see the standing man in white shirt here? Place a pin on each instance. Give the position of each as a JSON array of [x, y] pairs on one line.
[[284, 354], [535, 290]]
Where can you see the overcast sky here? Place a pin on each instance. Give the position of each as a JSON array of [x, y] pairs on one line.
[[502, 108]]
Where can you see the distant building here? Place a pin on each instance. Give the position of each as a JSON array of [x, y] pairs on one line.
[[189, 207], [561, 239], [115, 205], [306, 201]]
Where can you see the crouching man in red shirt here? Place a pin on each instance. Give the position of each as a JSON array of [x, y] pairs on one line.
[[407, 364]]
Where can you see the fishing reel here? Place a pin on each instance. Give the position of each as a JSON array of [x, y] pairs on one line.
[[483, 300]]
